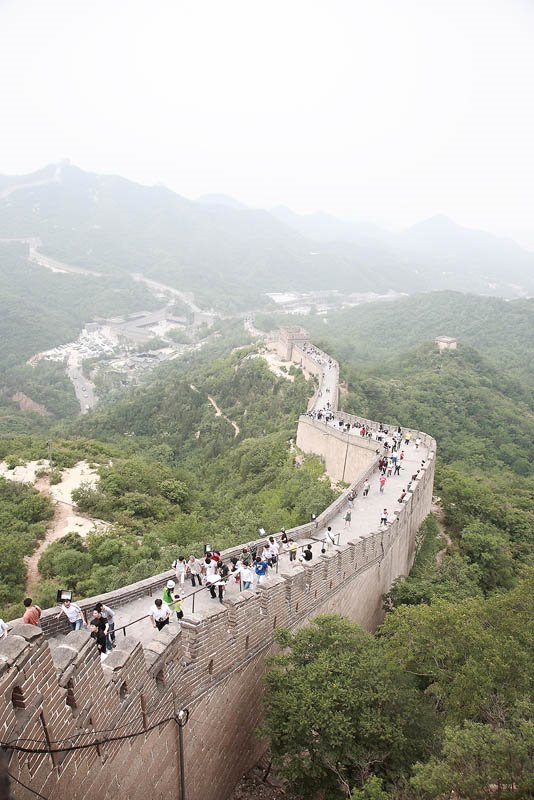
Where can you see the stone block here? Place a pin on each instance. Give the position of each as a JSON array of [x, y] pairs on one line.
[[28, 632], [12, 648]]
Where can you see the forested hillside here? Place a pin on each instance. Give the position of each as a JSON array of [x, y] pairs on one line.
[[438, 703], [502, 331], [175, 475]]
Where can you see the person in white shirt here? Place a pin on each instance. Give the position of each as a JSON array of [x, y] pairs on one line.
[[74, 614], [275, 547], [180, 566], [247, 576], [209, 567], [329, 539], [160, 614], [3, 629]]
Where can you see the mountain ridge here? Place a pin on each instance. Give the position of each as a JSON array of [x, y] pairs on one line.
[[226, 252]]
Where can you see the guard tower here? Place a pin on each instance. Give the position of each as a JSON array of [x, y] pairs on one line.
[[446, 343], [287, 337]]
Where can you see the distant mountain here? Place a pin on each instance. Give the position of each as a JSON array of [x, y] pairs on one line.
[[220, 200], [499, 261], [326, 228], [229, 255]]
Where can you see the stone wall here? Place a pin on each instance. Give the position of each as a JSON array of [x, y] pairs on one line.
[[57, 693], [344, 455]]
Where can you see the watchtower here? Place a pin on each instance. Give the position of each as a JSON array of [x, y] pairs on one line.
[[287, 337], [446, 343]]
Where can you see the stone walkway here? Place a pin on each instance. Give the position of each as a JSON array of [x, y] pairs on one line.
[[365, 521]]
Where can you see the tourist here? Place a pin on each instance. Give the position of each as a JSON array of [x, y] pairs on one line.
[[209, 567], [247, 576], [214, 580], [3, 629], [109, 616], [235, 569], [293, 547], [180, 567], [397, 468], [366, 486], [74, 614], [172, 600], [384, 517], [307, 554], [417, 443], [348, 518], [382, 482], [260, 568], [403, 495], [159, 614], [32, 615], [194, 570], [329, 539], [275, 548], [98, 634], [283, 538], [101, 624]]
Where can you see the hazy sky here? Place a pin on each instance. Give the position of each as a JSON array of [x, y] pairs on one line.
[[384, 110]]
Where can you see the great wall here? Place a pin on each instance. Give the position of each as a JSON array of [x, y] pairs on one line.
[[76, 727]]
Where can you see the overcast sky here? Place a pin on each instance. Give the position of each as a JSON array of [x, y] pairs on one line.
[[382, 110]]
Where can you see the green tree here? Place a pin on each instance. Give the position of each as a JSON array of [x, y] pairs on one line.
[[481, 761], [488, 548], [339, 710]]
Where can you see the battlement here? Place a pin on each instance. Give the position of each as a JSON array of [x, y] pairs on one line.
[[111, 725]]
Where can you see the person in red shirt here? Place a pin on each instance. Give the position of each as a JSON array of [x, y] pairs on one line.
[[32, 615]]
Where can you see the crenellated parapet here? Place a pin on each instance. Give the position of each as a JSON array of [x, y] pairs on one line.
[[96, 730]]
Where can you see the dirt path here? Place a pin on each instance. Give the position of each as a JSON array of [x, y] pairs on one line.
[[54, 532], [438, 512], [218, 413], [67, 518]]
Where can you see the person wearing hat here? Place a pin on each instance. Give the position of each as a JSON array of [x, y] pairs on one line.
[[174, 601]]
